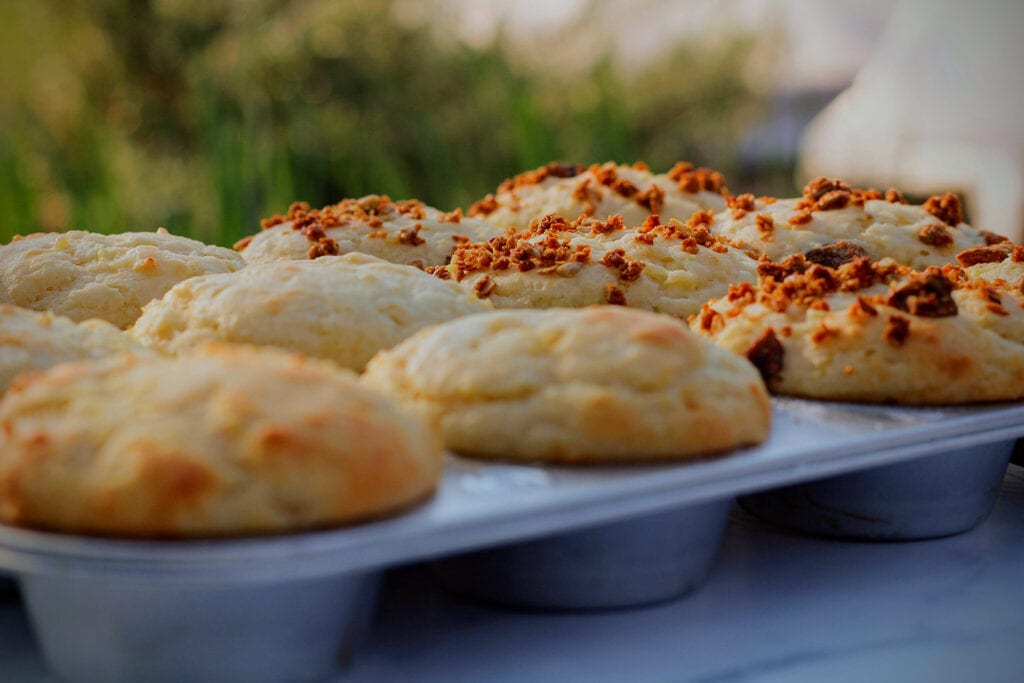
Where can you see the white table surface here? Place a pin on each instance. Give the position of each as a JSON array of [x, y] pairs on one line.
[[778, 607]]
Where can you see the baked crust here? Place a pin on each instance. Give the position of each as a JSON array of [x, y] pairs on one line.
[[227, 441], [597, 385], [342, 308], [84, 275], [875, 332]]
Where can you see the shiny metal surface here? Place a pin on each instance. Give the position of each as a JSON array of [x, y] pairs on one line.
[[938, 495], [94, 630], [628, 563]]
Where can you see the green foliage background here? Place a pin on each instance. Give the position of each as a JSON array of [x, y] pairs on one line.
[[204, 115]]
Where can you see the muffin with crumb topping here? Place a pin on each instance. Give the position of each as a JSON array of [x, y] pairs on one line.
[[670, 267], [603, 190], [406, 232], [875, 332], [833, 223]]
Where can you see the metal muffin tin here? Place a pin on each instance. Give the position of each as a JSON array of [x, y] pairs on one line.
[[283, 608]]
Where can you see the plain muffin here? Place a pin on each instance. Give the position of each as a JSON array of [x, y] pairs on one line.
[[594, 385], [342, 308], [84, 275], [226, 441], [30, 341]]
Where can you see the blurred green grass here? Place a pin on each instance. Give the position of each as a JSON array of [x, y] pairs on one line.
[[204, 116]]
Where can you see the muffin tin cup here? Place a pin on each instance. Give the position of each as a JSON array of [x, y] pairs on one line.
[[92, 629], [939, 495], [628, 563]]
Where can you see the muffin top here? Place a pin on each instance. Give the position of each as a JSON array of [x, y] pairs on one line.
[[599, 384], [226, 441], [833, 222], [407, 232], [600, 191], [31, 340], [84, 275], [668, 268], [343, 308], [875, 332]]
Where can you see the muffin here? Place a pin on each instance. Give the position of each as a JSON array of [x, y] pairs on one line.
[[601, 384], [875, 332], [407, 232], [84, 275], [668, 268], [833, 223], [600, 191], [225, 441], [342, 308], [31, 341]]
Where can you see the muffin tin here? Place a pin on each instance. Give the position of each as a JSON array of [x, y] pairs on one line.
[[281, 607]]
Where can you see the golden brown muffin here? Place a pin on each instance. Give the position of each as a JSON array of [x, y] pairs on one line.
[[406, 232], [671, 268], [30, 341], [875, 332], [343, 308], [226, 441], [600, 191], [600, 384], [833, 223], [84, 275]]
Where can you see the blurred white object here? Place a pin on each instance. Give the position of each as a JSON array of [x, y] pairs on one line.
[[939, 106]]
